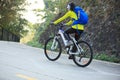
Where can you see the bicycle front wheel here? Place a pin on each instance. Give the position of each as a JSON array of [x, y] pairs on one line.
[[85, 55], [52, 49]]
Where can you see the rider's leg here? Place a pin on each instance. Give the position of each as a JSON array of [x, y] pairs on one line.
[[77, 36], [69, 31], [74, 49]]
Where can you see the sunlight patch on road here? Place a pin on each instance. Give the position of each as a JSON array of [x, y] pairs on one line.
[[25, 77]]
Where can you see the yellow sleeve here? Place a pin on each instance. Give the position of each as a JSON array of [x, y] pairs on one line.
[[70, 22], [62, 18]]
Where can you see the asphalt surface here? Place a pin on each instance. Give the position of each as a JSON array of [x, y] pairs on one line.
[[22, 62]]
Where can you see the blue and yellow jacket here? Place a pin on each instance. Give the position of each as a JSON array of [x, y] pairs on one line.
[[72, 15]]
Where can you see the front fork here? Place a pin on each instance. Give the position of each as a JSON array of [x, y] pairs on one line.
[[54, 43]]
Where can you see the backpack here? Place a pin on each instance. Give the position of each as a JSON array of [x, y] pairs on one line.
[[82, 16]]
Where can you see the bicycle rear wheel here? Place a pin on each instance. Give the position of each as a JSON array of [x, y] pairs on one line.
[[86, 54], [52, 49]]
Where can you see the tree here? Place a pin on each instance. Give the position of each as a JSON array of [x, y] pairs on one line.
[[10, 16]]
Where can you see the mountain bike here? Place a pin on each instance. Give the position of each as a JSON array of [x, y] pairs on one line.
[[53, 48]]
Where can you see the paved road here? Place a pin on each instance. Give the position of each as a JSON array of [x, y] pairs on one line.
[[21, 62]]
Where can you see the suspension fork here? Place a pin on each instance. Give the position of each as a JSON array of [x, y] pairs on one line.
[[54, 43]]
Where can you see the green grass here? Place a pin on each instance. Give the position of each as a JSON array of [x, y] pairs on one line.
[[35, 44], [105, 57]]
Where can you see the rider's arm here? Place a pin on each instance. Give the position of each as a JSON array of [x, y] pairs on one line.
[[70, 14], [62, 18]]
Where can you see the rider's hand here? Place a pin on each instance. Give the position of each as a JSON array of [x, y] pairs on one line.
[[64, 24]]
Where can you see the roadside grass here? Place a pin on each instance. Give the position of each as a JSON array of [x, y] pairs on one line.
[[35, 44], [105, 57], [98, 56]]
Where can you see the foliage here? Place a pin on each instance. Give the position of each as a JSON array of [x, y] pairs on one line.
[[103, 27], [10, 17], [35, 44]]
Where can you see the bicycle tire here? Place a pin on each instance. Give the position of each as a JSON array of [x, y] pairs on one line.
[[48, 52], [83, 55]]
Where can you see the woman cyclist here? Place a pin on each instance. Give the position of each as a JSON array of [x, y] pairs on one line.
[[76, 28]]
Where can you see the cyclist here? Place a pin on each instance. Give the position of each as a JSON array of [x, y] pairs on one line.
[[76, 28]]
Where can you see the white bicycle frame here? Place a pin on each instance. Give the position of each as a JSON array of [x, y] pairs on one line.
[[78, 46], [61, 33], [54, 44]]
